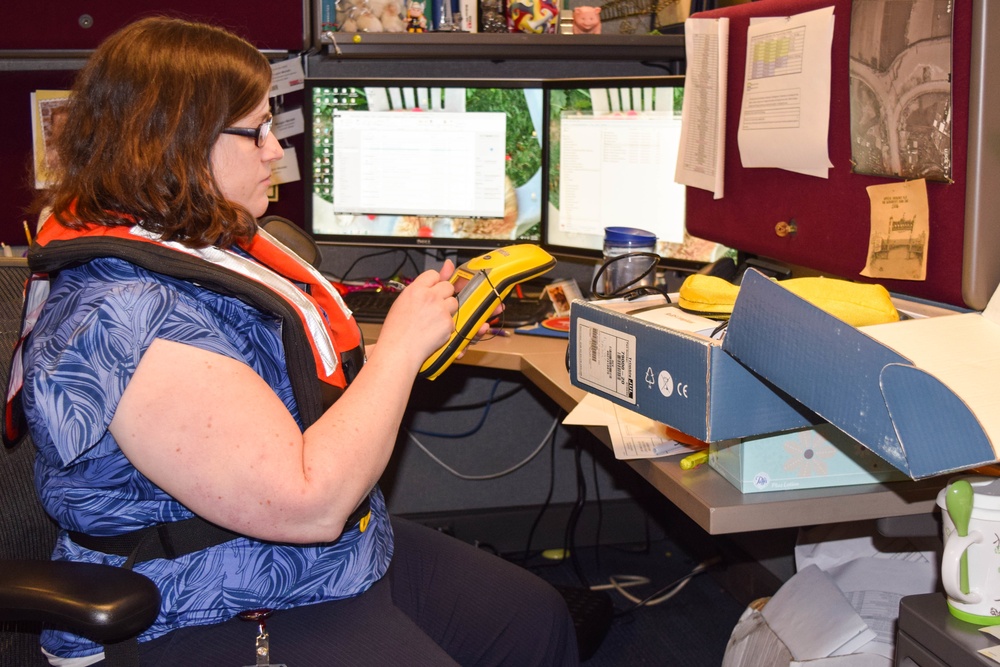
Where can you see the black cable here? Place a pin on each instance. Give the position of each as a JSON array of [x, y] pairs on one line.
[[569, 541], [548, 497], [500, 398], [406, 258], [600, 513], [631, 289], [469, 432], [701, 567]]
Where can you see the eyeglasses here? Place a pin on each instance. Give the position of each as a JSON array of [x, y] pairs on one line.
[[258, 134]]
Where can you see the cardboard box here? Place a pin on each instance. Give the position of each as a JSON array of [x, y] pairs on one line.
[[922, 393], [664, 364], [805, 459]]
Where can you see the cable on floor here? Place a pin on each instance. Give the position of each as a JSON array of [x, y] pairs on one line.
[[668, 591]]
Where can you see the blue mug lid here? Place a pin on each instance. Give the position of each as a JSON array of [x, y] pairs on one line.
[[628, 236]]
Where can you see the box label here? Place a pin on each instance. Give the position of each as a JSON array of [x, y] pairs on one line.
[[605, 359]]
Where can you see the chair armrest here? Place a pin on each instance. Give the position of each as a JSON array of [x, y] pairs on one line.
[[104, 603]]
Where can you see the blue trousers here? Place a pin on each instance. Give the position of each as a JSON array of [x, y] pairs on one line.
[[442, 602]]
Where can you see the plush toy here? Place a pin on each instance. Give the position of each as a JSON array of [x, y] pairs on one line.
[[369, 15], [368, 22], [586, 20], [392, 20]]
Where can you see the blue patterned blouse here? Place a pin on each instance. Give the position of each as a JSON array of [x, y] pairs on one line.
[[98, 321]]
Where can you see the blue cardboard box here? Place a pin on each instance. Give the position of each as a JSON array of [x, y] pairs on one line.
[[922, 393], [665, 364], [805, 459]]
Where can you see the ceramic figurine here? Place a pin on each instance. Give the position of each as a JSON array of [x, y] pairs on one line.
[[586, 20]]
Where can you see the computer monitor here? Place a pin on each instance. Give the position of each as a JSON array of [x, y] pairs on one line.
[[612, 153], [424, 163]]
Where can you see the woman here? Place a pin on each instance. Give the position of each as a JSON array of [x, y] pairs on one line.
[[213, 423]]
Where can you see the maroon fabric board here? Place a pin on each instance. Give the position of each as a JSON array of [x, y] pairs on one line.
[[832, 215], [57, 24]]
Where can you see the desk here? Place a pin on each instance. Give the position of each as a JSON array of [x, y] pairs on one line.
[[704, 495]]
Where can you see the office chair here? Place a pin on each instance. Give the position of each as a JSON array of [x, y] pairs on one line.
[[110, 605]]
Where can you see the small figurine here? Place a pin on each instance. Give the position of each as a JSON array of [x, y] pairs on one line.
[[586, 20], [415, 20]]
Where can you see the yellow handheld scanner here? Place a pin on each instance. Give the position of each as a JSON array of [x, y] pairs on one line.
[[490, 279]]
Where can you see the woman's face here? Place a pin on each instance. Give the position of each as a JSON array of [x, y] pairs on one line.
[[242, 170]]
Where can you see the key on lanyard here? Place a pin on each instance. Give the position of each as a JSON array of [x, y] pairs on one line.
[[263, 647]]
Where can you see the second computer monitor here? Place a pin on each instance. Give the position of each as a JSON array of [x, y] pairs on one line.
[[612, 153]]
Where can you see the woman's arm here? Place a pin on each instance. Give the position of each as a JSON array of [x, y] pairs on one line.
[[210, 432]]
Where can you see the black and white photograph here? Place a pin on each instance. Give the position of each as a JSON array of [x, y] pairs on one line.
[[900, 83]]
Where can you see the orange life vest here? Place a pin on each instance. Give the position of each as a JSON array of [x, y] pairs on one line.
[[323, 346]]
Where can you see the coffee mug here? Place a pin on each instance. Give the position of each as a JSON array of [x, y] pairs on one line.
[[970, 565]]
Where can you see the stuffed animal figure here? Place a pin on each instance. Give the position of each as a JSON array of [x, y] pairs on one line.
[[586, 20], [370, 16], [392, 20]]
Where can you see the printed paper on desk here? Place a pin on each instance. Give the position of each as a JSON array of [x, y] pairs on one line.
[[632, 435], [785, 116], [703, 113]]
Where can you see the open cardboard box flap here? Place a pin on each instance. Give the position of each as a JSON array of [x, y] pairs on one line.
[[922, 393]]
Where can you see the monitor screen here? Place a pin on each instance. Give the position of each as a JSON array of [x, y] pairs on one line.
[[612, 153], [420, 162]]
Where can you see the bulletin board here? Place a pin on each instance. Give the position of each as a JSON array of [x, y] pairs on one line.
[[832, 216]]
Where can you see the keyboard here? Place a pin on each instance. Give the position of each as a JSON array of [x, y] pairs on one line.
[[373, 306], [370, 305]]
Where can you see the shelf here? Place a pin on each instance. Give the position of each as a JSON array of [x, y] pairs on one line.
[[505, 46]]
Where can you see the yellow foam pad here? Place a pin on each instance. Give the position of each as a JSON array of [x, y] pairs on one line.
[[858, 304]]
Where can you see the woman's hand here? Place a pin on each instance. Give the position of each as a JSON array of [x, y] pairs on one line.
[[422, 317]]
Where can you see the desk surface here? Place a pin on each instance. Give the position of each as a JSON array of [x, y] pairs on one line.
[[704, 495]]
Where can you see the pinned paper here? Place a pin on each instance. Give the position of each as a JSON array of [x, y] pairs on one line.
[[900, 230], [785, 116], [702, 153], [288, 123], [287, 76]]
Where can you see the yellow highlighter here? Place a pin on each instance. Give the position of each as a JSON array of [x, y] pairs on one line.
[[490, 278], [692, 461]]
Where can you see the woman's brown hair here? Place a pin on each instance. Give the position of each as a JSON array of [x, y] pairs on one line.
[[144, 115]]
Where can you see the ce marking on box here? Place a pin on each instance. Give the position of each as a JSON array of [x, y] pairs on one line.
[[665, 383]]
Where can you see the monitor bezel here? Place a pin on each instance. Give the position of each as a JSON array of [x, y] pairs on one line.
[[417, 243]]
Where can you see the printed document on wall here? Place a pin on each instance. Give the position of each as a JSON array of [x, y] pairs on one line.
[[785, 116], [702, 151]]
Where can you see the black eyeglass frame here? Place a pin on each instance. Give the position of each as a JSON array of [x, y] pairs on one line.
[[259, 134]]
